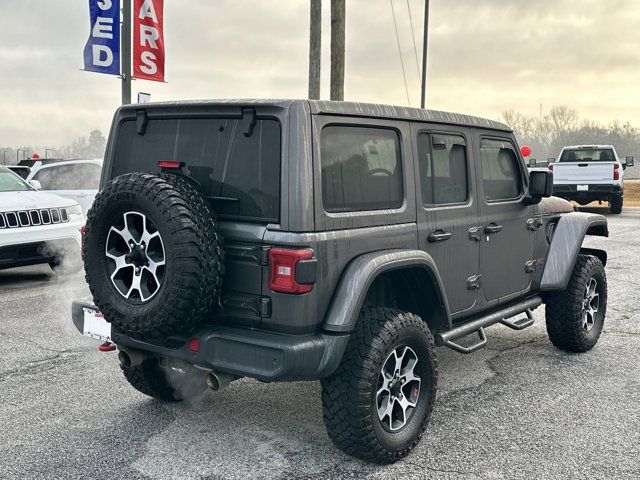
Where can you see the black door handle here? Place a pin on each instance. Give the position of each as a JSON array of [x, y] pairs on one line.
[[439, 236], [493, 228]]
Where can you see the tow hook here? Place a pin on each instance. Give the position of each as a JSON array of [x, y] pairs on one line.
[[107, 347]]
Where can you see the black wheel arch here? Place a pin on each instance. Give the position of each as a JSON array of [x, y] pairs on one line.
[[405, 279]]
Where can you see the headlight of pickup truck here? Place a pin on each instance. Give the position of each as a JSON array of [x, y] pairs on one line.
[[75, 212]]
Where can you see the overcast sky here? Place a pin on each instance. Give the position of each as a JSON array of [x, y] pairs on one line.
[[486, 56]]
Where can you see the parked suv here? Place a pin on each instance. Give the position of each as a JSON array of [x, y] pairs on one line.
[[589, 173], [331, 241], [74, 179]]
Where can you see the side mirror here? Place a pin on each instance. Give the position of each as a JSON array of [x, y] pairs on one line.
[[550, 160], [35, 184], [532, 162], [540, 186], [629, 161]]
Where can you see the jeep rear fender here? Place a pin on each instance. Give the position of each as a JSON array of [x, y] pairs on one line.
[[360, 274], [566, 244]]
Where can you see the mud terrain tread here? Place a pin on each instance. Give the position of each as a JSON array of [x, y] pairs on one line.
[[563, 309], [198, 255], [346, 393]]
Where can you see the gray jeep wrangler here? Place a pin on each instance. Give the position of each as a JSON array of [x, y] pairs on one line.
[[331, 241]]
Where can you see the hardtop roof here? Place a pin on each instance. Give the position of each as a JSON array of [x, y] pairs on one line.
[[355, 109]]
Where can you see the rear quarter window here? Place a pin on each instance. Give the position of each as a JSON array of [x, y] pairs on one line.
[[239, 174], [361, 169]]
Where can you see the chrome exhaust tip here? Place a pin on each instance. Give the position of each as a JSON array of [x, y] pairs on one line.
[[131, 358], [216, 381]]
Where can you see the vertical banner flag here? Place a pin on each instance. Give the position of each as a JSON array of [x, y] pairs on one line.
[[148, 40], [102, 51]]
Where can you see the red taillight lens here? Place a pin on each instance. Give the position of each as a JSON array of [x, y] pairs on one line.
[[169, 164], [282, 269], [551, 167], [194, 345], [83, 229], [616, 171]]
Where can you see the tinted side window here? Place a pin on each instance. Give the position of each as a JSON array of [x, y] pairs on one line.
[[443, 169], [361, 169], [82, 176], [500, 171]]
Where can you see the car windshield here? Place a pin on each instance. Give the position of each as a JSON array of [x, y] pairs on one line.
[[588, 155], [10, 182]]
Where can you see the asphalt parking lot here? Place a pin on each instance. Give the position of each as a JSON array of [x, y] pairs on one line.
[[517, 409]]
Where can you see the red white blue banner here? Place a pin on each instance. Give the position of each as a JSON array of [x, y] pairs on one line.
[[148, 40], [102, 51]]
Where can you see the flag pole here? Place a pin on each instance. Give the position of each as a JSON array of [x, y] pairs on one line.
[[125, 51]]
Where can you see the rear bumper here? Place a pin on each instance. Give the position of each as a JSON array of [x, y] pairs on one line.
[[246, 352], [595, 192]]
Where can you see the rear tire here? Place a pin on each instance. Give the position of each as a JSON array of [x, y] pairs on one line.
[[157, 382], [363, 387], [615, 205], [569, 325]]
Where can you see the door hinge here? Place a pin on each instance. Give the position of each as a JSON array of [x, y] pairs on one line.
[[264, 307], [474, 233], [473, 282], [534, 224]]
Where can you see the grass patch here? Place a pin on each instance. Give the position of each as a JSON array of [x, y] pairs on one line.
[[632, 194]]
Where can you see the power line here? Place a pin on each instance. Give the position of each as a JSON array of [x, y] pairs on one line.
[[404, 76], [413, 37]]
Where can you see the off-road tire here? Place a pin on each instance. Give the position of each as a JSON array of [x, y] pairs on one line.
[[615, 205], [193, 248], [564, 309], [349, 394], [154, 381]]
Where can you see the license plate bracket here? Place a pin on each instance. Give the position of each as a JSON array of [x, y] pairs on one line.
[[95, 326]]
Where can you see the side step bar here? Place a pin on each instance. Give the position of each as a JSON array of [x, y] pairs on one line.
[[447, 339]]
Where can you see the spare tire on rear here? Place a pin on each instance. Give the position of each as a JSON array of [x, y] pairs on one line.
[[153, 257]]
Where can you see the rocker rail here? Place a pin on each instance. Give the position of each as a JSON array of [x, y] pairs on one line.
[[447, 339]]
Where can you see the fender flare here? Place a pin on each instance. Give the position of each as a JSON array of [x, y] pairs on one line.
[[566, 245], [359, 275]]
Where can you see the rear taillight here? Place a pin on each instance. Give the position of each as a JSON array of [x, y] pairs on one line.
[[551, 167], [616, 171], [283, 263]]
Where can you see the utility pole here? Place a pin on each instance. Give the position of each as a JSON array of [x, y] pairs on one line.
[[337, 49], [425, 44], [125, 52], [315, 48]]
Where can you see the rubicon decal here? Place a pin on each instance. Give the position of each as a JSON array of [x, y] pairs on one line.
[[148, 40]]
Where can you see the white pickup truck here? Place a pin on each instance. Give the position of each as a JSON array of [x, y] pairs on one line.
[[589, 173]]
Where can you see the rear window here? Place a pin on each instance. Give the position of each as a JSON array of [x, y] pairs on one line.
[[361, 169], [240, 175], [588, 155]]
